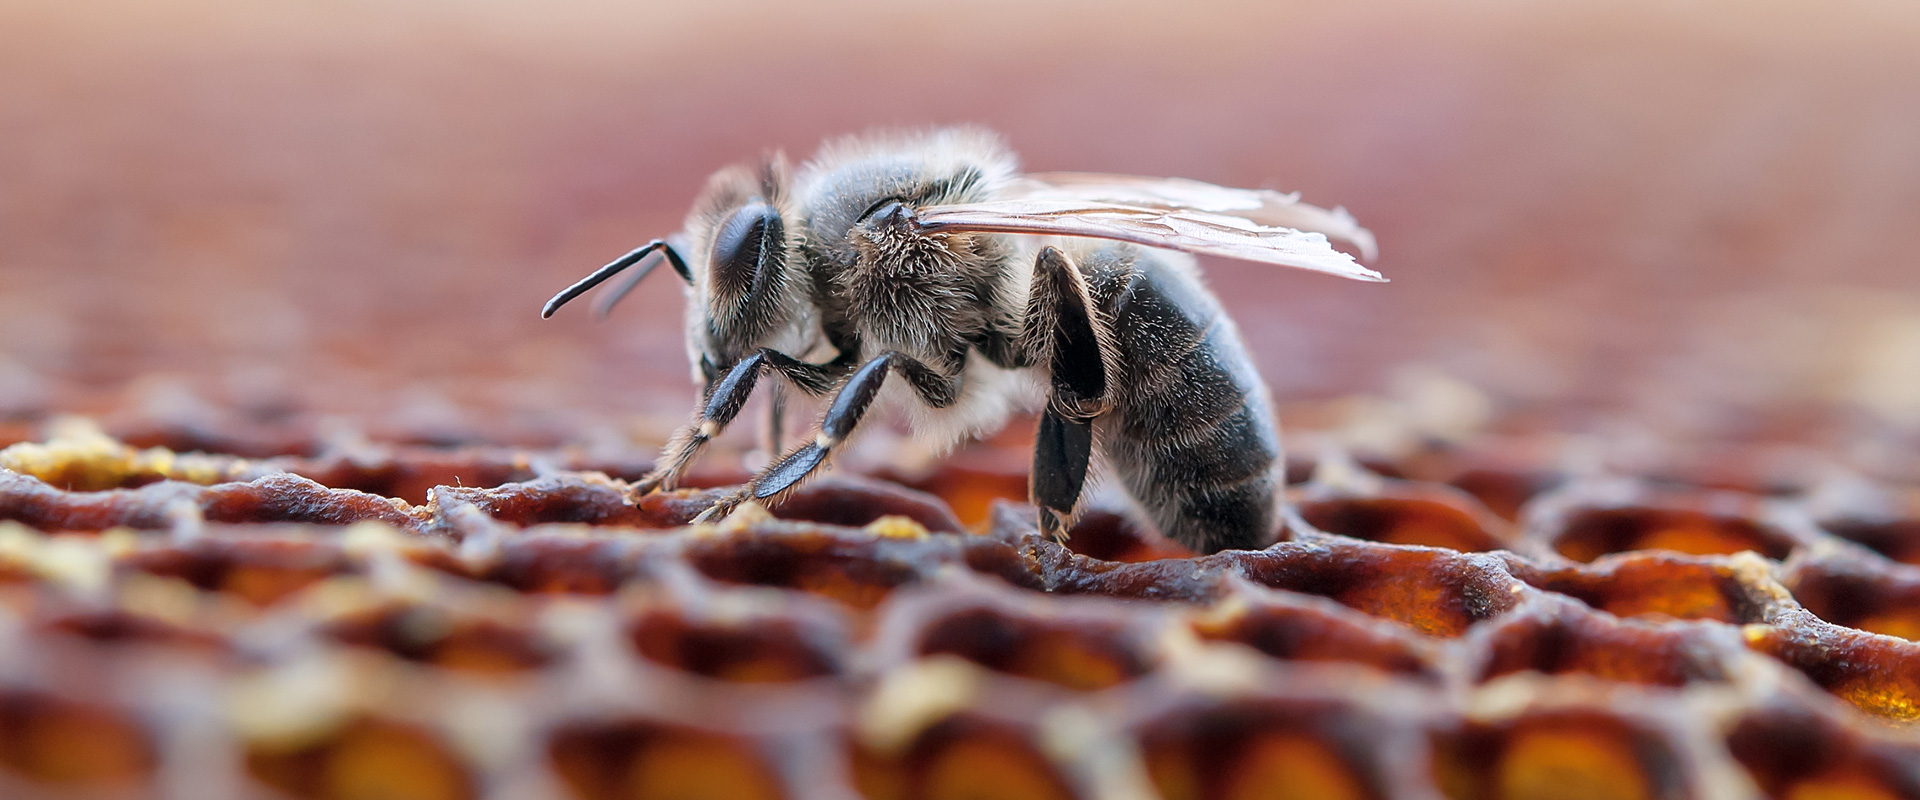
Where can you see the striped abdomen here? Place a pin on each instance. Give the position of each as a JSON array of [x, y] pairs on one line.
[[1191, 432]]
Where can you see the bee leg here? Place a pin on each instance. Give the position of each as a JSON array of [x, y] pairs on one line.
[[725, 398], [1060, 455], [849, 405], [1063, 330]]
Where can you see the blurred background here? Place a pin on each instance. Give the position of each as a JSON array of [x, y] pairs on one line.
[[1699, 219]]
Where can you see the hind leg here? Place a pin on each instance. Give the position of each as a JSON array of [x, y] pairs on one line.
[[1063, 331], [1062, 447]]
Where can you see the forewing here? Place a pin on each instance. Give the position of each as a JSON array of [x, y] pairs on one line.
[[1172, 228], [1263, 206]]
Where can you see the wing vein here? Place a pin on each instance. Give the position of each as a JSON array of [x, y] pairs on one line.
[[1187, 229]]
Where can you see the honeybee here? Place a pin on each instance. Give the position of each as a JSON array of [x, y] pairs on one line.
[[988, 292]]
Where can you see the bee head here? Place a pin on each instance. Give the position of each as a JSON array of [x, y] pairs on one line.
[[747, 279]]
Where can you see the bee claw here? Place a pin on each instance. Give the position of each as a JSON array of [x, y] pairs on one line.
[[719, 510], [1053, 525], [646, 486]]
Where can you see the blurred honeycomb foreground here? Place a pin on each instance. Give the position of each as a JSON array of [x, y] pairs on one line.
[[207, 625], [1613, 493]]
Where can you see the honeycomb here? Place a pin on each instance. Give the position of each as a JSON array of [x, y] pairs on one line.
[[368, 620]]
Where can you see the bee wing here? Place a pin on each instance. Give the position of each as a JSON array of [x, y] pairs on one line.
[[1172, 228], [1263, 206]]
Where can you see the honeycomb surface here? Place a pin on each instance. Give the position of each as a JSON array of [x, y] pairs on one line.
[[367, 620], [352, 522]]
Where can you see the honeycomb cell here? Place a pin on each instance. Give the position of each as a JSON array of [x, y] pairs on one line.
[[15, 574], [674, 509], [757, 650], [1434, 592], [1195, 581], [853, 503], [363, 759], [1591, 533], [1011, 563], [1653, 585], [125, 627], [1414, 519], [1567, 755], [1116, 536], [291, 498], [854, 571], [554, 564], [1859, 596], [961, 758], [1505, 491], [971, 486], [1306, 633], [432, 635], [238, 436], [553, 499], [1795, 754], [413, 476], [1079, 654], [1600, 646], [80, 458], [259, 570], [274, 498], [977, 475], [1261, 749], [648, 761], [1383, 467], [60, 742], [1896, 539], [1877, 675]]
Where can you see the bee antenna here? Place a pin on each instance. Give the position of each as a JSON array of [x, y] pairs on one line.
[[613, 296], [566, 295]]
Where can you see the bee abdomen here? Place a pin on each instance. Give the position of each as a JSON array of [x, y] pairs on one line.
[[1191, 433]]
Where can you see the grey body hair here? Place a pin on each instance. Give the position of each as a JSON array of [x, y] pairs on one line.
[[848, 275], [1188, 428], [926, 296], [1191, 433]]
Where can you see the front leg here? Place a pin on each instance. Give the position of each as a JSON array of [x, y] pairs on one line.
[[935, 388], [725, 398], [1063, 331]]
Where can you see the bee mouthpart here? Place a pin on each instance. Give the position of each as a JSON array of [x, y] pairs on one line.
[[893, 215]]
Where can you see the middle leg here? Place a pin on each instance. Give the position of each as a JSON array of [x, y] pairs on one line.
[[724, 400], [935, 388]]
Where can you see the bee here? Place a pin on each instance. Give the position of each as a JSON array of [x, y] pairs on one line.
[[983, 292]]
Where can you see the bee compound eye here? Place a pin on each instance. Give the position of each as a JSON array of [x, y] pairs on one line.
[[748, 242]]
